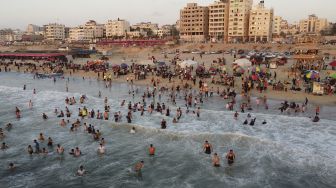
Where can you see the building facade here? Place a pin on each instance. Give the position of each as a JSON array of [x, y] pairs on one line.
[[146, 25], [239, 16], [194, 22], [276, 28], [313, 24], [54, 31], [117, 28], [33, 29], [218, 20], [260, 24]]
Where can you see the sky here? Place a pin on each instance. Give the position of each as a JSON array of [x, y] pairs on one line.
[[19, 13]]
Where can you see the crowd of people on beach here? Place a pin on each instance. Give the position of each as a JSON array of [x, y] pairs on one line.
[[192, 93]]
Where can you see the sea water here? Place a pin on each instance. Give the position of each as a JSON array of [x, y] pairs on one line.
[[289, 151]]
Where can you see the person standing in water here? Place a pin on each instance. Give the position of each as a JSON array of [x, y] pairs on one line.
[[215, 160], [230, 156], [81, 171], [138, 167], [151, 150], [207, 147]]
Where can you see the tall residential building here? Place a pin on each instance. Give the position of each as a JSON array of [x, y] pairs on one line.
[[97, 29], [194, 22], [276, 28], [313, 24], [32, 29], [80, 33], [117, 28], [261, 20], [218, 20], [54, 31], [239, 15]]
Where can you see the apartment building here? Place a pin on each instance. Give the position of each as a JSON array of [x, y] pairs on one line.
[[260, 23], [239, 16], [313, 24], [276, 28], [98, 30], [54, 31], [117, 28], [194, 23], [218, 20]]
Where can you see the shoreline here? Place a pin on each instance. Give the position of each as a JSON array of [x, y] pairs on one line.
[[279, 96]]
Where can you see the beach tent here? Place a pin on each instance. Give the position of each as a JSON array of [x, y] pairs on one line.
[[318, 88], [188, 63], [146, 62], [243, 62]]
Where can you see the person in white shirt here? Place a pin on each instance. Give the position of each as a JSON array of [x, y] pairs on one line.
[[81, 171], [132, 131]]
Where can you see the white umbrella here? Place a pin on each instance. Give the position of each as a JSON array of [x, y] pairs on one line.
[[243, 62], [188, 63]]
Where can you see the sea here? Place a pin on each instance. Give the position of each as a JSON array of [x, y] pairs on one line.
[[289, 151]]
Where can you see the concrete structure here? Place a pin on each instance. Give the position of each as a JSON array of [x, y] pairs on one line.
[[146, 25], [137, 34], [117, 28], [218, 20], [87, 33], [33, 29], [54, 31], [276, 28], [313, 24], [194, 22], [239, 20], [261, 22], [98, 30]]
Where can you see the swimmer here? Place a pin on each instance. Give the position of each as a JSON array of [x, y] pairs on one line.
[[41, 137], [44, 116], [139, 166], [59, 149], [236, 115], [215, 160], [264, 122], [50, 142], [81, 171], [163, 124], [9, 126], [37, 147], [174, 120], [77, 152], [30, 150], [4, 146], [132, 131], [30, 104], [72, 152], [230, 157], [101, 149], [11, 166], [245, 122], [151, 150], [62, 123], [44, 151], [207, 147], [102, 141]]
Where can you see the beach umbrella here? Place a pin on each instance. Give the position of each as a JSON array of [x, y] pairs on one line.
[[243, 62], [333, 75], [333, 64], [312, 74], [124, 66]]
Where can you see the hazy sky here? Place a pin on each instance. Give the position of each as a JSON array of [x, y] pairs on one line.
[[19, 13]]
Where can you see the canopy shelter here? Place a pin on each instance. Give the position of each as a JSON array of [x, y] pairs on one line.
[[309, 61], [188, 63], [332, 64], [14, 55], [243, 62]]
